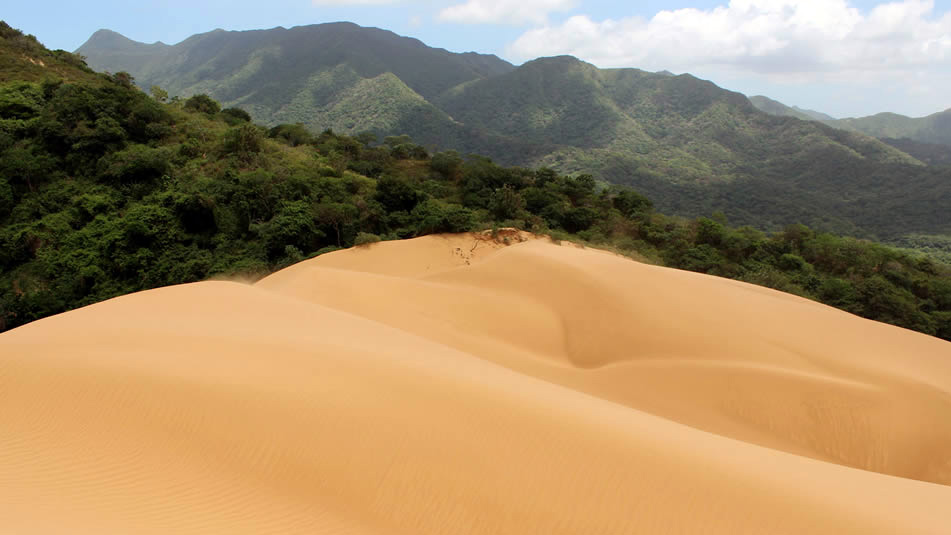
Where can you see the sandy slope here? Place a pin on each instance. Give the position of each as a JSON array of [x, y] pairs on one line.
[[451, 385]]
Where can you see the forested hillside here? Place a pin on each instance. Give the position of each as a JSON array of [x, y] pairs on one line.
[[335, 75], [928, 153], [105, 190], [774, 107], [935, 129], [691, 146], [695, 148]]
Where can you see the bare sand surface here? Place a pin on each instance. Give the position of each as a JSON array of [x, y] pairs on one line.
[[462, 385]]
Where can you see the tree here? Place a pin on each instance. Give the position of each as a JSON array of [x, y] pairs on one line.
[[433, 216], [136, 164], [28, 165], [124, 79], [243, 141], [578, 219], [235, 115], [6, 198], [293, 134], [336, 215], [710, 232], [506, 203], [631, 203], [202, 103], [396, 195], [447, 163], [292, 225], [158, 93], [366, 138], [579, 187]]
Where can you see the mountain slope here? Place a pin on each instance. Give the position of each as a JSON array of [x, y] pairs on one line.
[[929, 153], [774, 107], [687, 129], [691, 146], [111, 51], [267, 67], [24, 59], [338, 75], [935, 129], [695, 148], [106, 191]]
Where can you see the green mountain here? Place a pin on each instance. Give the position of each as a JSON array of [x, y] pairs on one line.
[[774, 107], [928, 153], [105, 191], [935, 129], [691, 146], [337, 75], [696, 149], [23, 58]]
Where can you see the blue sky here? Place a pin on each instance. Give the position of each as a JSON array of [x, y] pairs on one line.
[[843, 57]]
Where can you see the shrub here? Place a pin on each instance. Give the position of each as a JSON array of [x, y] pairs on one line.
[[234, 116], [203, 104], [365, 238], [293, 134], [136, 164], [243, 141]]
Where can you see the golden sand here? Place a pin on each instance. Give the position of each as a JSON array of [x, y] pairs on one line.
[[455, 385]]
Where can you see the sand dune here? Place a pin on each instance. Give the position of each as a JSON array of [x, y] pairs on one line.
[[454, 384]]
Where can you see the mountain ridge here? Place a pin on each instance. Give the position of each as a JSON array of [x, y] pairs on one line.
[[934, 129], [692, 146], [106, 191], [774, 107]]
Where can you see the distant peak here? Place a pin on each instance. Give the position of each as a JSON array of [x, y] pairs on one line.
[[561, 61], [105, 34], [563, 58], [105, 38]]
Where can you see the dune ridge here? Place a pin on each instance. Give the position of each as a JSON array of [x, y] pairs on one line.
[[462, 384]]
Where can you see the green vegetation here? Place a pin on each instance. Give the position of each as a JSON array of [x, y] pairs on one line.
[[774, 107], [897, 130], [105, 190], [929, 153], [25, 59], [690, 146], [935, 128]]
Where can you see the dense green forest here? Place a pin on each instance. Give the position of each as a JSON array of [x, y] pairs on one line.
[[935, 129], [774, 107], [692, 147], [105, 190]]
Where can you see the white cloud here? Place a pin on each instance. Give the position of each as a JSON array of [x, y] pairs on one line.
[[504, 11], [776, 38]]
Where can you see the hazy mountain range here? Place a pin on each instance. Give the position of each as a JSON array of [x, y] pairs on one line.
[[691, 146], [934, 129], [775, 107]]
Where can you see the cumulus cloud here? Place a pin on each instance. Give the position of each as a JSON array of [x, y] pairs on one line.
[[504, 11], [768, 37]]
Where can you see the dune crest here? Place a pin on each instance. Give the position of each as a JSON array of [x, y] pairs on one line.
[[472, 384]]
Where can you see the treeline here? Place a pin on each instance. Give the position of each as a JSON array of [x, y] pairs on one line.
[[105, 190]]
